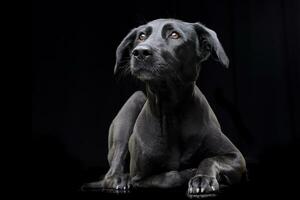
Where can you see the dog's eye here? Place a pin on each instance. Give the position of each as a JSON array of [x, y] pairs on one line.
[[174, 35], [142, 37]]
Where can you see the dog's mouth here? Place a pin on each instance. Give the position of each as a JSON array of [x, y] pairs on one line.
[[142, 73], [150, 70]]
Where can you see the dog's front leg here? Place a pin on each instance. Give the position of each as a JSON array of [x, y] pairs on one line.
[[225, 166], [117, 179]]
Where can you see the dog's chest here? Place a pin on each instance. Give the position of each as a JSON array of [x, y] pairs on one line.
[[157, 141], [164, 156]]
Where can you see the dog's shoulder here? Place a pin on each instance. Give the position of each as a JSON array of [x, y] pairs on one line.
[[200, 99], [207, 114]]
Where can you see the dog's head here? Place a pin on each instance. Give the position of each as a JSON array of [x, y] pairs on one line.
[[167, 48]]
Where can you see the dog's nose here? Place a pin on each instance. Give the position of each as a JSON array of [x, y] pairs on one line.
[[141, 53]]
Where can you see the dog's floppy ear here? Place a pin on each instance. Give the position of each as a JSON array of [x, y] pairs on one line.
[[124, 50], [210, 44]]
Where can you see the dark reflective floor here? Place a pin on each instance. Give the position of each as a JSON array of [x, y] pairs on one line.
[[264, 183], [53, 172], [178, 193]]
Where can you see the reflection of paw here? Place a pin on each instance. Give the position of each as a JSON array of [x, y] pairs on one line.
[[115, 184], [202, 186]]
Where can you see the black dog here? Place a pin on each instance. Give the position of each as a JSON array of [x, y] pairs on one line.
[[170, 136]]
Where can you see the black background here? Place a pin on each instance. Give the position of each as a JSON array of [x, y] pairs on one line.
[[75, 95]]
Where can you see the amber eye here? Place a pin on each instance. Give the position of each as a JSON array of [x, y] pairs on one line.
[[142, 37], [174, 35]]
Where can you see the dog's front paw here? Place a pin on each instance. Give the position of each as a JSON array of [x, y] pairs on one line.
[[202, 186], [118, 183], [114, 184]]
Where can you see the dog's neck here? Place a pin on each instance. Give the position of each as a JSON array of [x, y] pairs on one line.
[[169, 96]]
